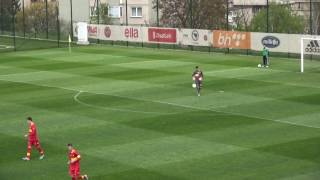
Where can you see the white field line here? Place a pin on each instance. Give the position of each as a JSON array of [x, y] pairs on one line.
[[76, 98], [5, 47], [173, 104], [32, 38]]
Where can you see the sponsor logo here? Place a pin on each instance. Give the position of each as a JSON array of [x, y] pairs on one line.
[[313, 46], [270, 41], [205, 37], [195, 35], [107, 32], [162, 35], [231, 39], [92, 30], [131, 33]]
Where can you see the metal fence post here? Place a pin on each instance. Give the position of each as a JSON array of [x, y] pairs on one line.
[[127, 17], [71, 20], [158, 13], [47, 20], [1, 17], [23, 19], [98, 16], [227, 21], [311, 29], [14, 24], [267, 15], [58, 24]]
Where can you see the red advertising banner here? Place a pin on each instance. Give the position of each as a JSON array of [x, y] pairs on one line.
[[162, 35], [93, 31]]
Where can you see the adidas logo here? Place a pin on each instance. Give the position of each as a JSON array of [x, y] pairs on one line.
[[313, 46]]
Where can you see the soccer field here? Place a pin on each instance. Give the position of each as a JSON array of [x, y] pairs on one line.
[[132, 114]]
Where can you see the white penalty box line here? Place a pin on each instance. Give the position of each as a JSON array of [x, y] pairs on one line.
[[78, 92]]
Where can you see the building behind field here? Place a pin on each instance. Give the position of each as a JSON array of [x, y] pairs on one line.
[[140, 12], [251, 7]]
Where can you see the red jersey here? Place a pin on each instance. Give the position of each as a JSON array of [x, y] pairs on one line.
[[33, 131], [197, 75], [74, 156]]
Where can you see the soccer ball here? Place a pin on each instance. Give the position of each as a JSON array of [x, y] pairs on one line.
[[194, 85], [259, 65]]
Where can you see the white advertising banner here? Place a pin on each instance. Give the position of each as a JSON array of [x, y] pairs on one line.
[[108, 32], [273, 41], [195, 37], [82, 33], [285, 43], [312, 46], [121, 33]]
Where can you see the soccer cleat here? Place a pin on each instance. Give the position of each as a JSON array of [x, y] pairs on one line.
[[41, 157], [26, 159], [85, 177]]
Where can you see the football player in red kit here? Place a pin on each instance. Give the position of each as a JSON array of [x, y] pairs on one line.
[[197, 77], [74, 164], [33, 140]]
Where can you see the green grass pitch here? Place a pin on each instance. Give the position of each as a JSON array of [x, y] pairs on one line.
[[132, 114]]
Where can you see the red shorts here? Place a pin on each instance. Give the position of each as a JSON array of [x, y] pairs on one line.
[[33, 142], [74, 171]]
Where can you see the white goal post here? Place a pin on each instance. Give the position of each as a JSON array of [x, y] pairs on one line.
[[312, 46]]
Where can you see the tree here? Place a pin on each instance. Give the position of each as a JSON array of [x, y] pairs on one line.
[[242, 18], [281, 20], [205, 14], [35, 20], [8, 8], [316, 17], [103, 14]]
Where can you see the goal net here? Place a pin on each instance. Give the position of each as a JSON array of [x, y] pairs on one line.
[[309, 46]]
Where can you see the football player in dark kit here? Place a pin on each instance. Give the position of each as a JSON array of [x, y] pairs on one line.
[[197, 77]]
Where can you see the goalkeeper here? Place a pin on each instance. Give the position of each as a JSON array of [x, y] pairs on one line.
[[265, 57]]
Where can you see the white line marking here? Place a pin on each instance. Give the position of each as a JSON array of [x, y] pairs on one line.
[[238, 114], [173, 104], [76, 98]]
